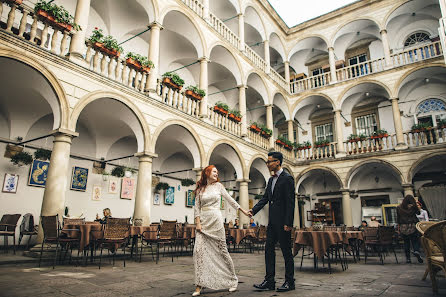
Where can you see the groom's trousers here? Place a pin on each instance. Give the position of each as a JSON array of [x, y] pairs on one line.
[[274, 234]]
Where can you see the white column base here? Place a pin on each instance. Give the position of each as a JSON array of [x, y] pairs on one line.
[[341, 155], [401, 147], [78, 59]]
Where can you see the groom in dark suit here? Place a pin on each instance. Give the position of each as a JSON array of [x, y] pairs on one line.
[[279, 195]]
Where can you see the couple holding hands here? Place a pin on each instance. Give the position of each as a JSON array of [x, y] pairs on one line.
[[214, 268]]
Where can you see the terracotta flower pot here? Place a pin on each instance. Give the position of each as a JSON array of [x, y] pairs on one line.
[[220, 110], [194, 96], [235, 118], [170, 84], [254, 128], [135, 65], [44, 15], [100, 46]]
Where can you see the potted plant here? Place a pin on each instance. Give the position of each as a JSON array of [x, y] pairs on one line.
[[186, 182], [161, 187], [265, 132], [107, 44], [441, 124], [128, 171], [281, 140], [221, 108], [298, 146], [42, 154], [58, 16], [255, 127], [235, 115], [194, 93], [322, 143], [288, 144], [379, 134], [138, 62], [307, 145], [22, 158], [118, 171], [173, 81]]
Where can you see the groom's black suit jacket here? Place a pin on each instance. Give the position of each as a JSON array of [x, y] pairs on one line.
[[281, 202]]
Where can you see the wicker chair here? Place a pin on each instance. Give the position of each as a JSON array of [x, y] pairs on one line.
[[8, 223], [73, 221], [435, 260], [51, 234], [116, 234], [421, 227]]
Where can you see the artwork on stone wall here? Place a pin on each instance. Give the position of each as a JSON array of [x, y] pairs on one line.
[[97, 193], [157, 199], [127, 188], [170, 196], [38, 173], [113, 186], [190, 198], [79, 179], [10, 183]]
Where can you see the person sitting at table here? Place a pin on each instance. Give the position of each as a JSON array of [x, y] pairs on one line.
[[231, 224], [423, 216], [107, 214], [251, 223], [363, 225], [236, 224], [374, 222]]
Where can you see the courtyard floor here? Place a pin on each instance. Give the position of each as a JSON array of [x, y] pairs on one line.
[[20, 276]]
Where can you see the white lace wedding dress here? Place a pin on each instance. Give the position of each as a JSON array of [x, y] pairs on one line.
[[214, 268]]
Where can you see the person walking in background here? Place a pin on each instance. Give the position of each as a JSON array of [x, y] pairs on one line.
[[423, 216], [407, 213], [279, 194]]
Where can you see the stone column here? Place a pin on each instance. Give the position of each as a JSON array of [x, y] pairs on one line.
[[143, 196], [346, 208], [339, 135], [243, 200], [296, 222], [267, 56], [58, 173], [290, 130], [401, 145], [77, 45], [154, 55], [242, 107], [287, 71], [241, 31], [198, 171], [386, 47], [331, 58], [408, 190], [269, 123], [204, 86], [206, 10]]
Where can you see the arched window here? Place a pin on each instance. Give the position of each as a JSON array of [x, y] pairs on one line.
[[431, 111], [418, 37]]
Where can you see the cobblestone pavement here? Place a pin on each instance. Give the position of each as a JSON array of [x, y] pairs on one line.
[[176, 279]]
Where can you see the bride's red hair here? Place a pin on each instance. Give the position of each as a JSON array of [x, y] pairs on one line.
[[203, 182]]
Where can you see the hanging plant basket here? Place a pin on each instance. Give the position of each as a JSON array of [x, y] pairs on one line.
[[118, 171], [42, 154], [22, 158], [187, 182], [161, 186]]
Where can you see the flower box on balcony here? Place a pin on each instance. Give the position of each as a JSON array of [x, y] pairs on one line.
[[135, 65], [234, 118], [44, 15], [191, 95], [220, 110], [110, 52], [167, 81], [265, 134], [173, 81], [288, 147], [280, 142], [254, 128], [16, 2], [195, 93]]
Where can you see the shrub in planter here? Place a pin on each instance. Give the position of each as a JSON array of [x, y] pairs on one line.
[[58, 16], [107, 44], [307, 145], [42, 154], [161, 186], [173, 81], [265, 131], [22, 158], [186, 182], [321, 143], [118, 171], [193, 92], [221, 108], [255, 127], [441, 124], [235, 115], [139, 62]]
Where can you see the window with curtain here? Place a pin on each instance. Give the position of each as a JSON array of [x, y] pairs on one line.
[[324, 132], [366, 124]]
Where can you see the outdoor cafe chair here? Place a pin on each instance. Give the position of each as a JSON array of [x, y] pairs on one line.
[[115, 234], [421, 227], [435, 260], [8, 223], [381, 243], [27, 228]]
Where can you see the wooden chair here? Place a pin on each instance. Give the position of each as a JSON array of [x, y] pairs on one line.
[[116, 234], [435, 261], [27, 227], [167, 235], [381, 243], [149, 238], [421, 227], [8, 223], [52, 235]]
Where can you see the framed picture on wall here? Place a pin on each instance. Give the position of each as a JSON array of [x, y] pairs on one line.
[[170, 196], [127, 188], [97, 193], [157, 199], [222, 203], [113, 186], [10, 183], [190, 198], [38, 173], [79, 179]]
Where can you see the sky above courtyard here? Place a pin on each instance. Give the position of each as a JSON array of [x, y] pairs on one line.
[[294, 12]]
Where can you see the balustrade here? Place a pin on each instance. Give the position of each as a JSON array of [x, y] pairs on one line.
[[309, 83], [258, 139], [360, 69], [224, 122], [316, 153], [417, 53]]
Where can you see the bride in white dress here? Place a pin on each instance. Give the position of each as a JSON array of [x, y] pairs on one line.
[[213, 264]]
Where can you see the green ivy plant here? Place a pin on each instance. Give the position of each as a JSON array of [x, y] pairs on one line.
[[108, 41], [142, 60], [161, 186], [42, 154], [22, 158], [265, 129], [118, 171], [60, 14], [236, 112], [196, 90], [176, 79], [186, 182], [222, 105]]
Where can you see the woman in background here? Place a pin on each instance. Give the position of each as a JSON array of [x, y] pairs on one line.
[[407, 213], [107, 214], [423, 216]]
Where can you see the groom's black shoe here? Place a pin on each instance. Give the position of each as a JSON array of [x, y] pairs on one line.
[[266, 285], [287, 286]]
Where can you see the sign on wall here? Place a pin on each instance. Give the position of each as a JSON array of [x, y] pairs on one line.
[[38, 173]]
